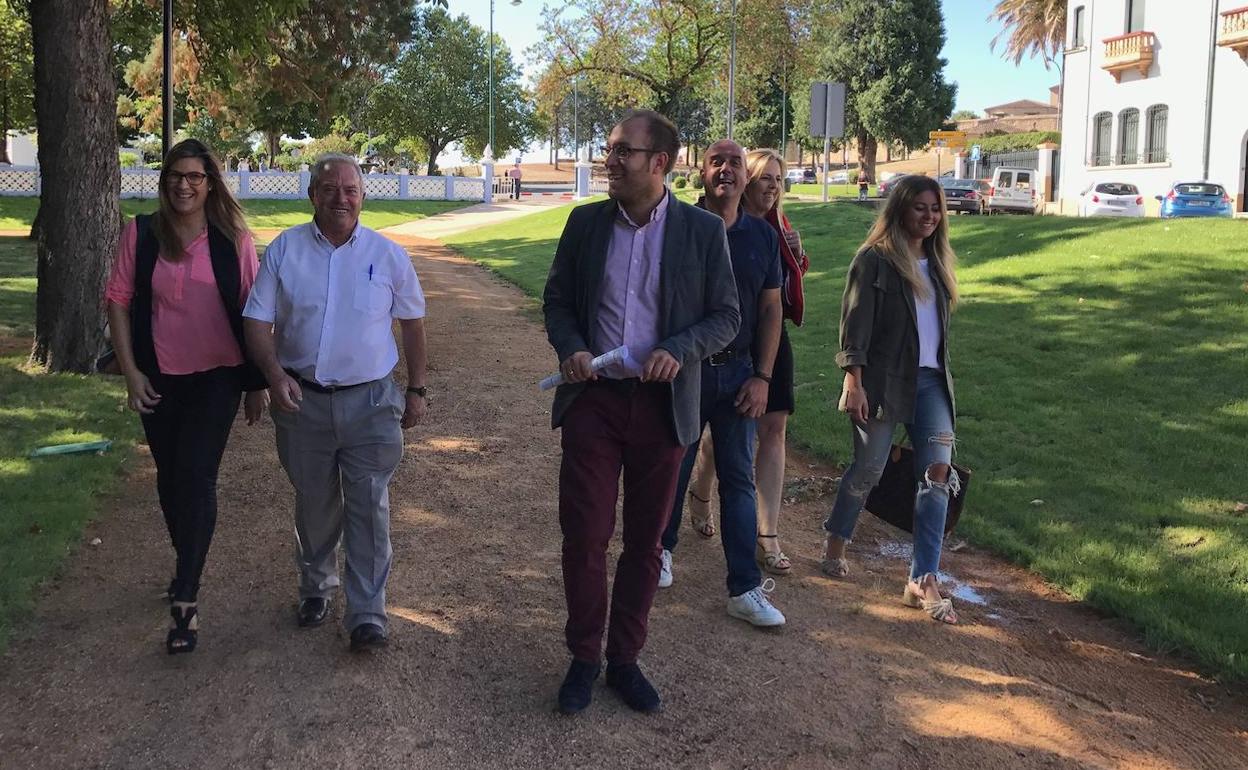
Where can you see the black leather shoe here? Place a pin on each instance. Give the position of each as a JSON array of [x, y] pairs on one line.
[[633, 687], [313, 611], [367, 636], [577, 689]]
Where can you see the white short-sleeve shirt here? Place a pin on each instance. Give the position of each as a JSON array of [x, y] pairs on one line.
[[333, 308]]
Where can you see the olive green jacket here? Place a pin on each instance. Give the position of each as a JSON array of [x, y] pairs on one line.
[[879, 333]]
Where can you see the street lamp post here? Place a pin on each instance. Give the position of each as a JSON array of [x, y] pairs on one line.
[[166, 86], [732, 69], [490, 144]]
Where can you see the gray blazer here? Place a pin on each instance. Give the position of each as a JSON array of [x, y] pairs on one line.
[[698, 310]]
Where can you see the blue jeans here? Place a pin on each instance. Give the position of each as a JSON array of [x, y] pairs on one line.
[[931, 434], [733, 438]]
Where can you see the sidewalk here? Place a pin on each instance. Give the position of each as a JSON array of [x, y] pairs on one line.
[[472, 217]]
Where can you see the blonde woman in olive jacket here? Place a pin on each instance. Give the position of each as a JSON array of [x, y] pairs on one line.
[[894, 333]]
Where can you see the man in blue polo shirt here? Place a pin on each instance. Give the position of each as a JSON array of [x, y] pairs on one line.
[[734, 387]]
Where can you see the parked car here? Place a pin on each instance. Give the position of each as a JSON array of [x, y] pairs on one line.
[[1111, 199], [965, 195], [839, 177], [887, 183], [795, 176], [1195, 199], [1013, 189]]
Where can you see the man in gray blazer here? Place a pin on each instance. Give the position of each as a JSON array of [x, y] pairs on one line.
[[652, 273]]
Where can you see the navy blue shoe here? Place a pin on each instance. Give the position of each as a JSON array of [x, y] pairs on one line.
[[633, 687], [577, 689]]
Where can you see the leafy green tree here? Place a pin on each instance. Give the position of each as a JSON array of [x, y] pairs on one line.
[[437, 92], [965, 115], [888, 56], [17, 76], [661, 54]]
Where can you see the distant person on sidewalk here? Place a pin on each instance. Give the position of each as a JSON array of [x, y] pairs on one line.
[[763, 199], [646, 270], [735, 385], [894, 350], [515, 175], [175, 308], [319, 321]]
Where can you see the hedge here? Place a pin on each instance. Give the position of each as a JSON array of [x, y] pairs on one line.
[[1016, 142]]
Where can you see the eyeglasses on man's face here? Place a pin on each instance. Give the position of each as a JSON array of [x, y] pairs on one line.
[[623, 151], [194, 178]]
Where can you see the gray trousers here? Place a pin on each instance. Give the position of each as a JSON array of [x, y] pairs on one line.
[[339, 451]]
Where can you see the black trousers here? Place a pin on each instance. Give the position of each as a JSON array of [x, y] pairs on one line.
[[187, 433], [515, 188]]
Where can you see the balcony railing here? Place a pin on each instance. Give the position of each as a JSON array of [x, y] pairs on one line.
[[1234, 34], [1133, 50]]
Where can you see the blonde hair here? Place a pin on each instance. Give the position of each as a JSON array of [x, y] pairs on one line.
[[889, 237], [220, 206], [756, 162]]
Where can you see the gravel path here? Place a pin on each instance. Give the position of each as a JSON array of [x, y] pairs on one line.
[[855, 680]]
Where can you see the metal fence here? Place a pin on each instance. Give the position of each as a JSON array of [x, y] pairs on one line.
[[143, 183], [1025, 159]]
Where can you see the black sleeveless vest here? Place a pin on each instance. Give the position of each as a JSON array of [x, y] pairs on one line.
[[229, 283]]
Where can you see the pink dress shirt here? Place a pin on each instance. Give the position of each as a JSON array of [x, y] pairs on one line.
[[190, 328], [628, 313]]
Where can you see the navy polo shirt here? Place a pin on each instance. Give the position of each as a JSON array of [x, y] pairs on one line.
[[754, 247]]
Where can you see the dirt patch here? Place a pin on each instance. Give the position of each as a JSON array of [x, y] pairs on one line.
[[1031, 680]]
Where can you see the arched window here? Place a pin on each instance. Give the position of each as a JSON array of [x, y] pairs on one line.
[[1128, 136], [1155, 134], [1102, 126]]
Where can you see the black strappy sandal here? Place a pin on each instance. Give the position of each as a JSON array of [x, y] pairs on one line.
[[183, 638]]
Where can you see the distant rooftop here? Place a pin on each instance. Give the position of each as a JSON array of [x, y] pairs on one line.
[[1021, 107]]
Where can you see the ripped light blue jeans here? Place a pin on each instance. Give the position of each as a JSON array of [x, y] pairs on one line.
[[931, 434]]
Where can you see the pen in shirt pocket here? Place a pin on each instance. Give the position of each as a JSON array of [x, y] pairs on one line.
[[370, 272]]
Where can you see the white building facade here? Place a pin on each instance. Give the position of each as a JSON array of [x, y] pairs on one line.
[[1154, 92]]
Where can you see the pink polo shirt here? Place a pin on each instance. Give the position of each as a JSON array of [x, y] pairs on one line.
[[190, 328]]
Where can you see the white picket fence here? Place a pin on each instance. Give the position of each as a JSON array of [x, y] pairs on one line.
[[143, 183]]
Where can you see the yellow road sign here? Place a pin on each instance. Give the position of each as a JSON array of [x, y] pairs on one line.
[[950, 139]]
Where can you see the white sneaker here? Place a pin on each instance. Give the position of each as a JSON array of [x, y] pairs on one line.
[[665, 569], [754, 608]]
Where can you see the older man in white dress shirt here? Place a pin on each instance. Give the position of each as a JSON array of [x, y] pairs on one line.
[[319, 324]]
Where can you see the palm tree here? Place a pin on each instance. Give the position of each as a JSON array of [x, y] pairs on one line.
[[1034, 27]]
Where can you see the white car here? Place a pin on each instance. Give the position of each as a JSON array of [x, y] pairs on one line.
[[1111, 199], [839, 177]]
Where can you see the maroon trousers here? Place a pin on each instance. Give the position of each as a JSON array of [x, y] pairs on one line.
[[613, 426]]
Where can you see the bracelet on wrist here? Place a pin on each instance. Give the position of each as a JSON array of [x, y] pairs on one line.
[[418, 390], [764, 377]]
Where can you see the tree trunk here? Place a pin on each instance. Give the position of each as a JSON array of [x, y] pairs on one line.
[[866, 156], [4, 127], [434, 149], [76, 113]]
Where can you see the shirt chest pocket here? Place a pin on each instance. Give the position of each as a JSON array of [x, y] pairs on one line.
[[373, 292]]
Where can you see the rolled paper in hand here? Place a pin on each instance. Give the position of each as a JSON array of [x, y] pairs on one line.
[[619, 355]]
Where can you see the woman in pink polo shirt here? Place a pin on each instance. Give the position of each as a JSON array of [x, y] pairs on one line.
[[175, 300]]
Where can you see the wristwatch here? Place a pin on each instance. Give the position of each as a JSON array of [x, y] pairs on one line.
[[419, 390]]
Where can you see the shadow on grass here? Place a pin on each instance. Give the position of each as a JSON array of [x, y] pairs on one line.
[[1100, 369]]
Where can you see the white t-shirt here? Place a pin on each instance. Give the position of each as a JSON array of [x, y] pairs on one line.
[[332, 308], [928, 321]]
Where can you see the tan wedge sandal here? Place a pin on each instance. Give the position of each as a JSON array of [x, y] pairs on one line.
[[940, 610]]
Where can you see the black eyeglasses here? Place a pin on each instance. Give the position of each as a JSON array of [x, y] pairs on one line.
[[194, 179], [623, 151]]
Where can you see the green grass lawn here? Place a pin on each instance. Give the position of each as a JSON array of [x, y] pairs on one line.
[[834, 190], [1100, 369], [18, 213], [45, 501]]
